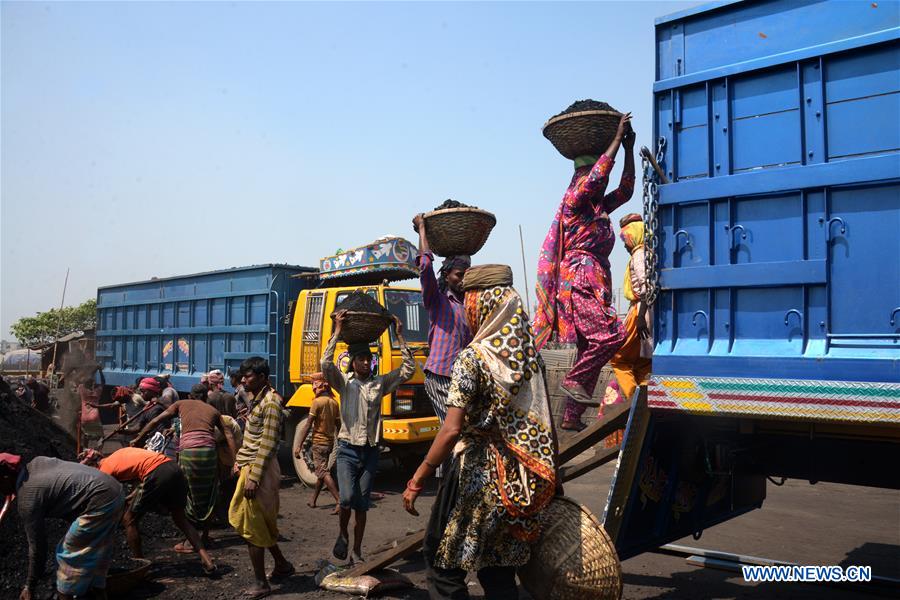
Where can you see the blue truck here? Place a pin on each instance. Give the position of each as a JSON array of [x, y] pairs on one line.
[[188, 325], [777, 264]]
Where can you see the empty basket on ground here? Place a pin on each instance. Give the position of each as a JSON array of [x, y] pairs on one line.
[[453, 231], [364, 327], [121, 582], [574, 559], [587, 132]]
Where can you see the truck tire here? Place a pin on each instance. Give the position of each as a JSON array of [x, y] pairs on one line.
[[303, 466]]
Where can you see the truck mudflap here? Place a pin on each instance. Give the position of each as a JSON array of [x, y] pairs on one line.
[[410, 431], [675, 477]]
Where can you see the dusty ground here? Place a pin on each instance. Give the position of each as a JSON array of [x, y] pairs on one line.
[[820, 525]]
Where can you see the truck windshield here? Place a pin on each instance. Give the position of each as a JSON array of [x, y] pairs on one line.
[[407, 305]]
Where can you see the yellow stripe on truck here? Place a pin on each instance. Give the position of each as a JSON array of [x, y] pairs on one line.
[[409, 431]]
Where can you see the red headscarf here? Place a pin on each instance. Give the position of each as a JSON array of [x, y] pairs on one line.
[[150, 384], [12, 462]]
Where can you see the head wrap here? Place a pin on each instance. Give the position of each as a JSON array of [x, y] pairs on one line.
[[215, 377], [10, 462], [460, 261], [632, 235], [318, 379], [150, 384], [630, 218], [358, 348], [485, 276]]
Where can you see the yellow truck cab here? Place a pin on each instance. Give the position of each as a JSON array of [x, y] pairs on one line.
[[409, 423]]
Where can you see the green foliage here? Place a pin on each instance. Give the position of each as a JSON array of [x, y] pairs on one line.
[[42, 328]]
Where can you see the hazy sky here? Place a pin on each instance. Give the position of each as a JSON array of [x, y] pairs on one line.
[[158, 139]]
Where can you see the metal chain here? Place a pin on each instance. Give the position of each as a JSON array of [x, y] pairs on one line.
[[651, 221]]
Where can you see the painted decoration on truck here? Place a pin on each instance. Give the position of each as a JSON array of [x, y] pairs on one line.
[[388, 257], [790, 398]]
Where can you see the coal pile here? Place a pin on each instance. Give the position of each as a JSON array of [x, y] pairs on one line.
[[582, 105], [29, 433], [362, 302]]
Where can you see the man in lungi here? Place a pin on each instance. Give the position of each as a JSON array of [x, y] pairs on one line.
[[93, 501], [449, 331], [254, 507], [162, 488]]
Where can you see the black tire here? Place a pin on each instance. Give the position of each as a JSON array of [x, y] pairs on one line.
[[303, 466]]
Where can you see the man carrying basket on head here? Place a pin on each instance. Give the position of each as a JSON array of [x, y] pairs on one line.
[[574, 291], [449, 332], [361, 394]]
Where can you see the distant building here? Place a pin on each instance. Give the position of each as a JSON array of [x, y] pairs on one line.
[[8, 346]]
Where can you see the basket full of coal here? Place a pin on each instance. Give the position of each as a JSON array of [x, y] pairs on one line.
[[455, 228], [365, 319], [585, 128]]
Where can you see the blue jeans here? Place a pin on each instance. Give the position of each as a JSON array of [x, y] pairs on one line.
[[356, 466]]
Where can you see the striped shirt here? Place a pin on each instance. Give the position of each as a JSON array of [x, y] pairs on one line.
[[449, 332], [261, 434]]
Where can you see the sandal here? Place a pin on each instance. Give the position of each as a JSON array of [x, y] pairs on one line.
[[572, 425], [277, 575], [210, 571], [182, 548], [340, 548]]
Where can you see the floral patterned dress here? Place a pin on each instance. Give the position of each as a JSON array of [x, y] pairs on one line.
[[505, 457]]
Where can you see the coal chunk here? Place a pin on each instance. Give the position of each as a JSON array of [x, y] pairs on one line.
[[582, 105], [361, 302], [448, 203]]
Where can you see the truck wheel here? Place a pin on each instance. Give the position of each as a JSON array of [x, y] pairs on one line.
[[303, 466]]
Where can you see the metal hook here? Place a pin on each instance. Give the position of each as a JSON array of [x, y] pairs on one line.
[[731, 229], [894, 312], [828, 226], [699, 312], [686, 237], [796, 312]]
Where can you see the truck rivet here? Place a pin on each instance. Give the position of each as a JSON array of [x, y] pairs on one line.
[[718, 166], [809, 100], [724, 130], [818, 113], [810, 153]]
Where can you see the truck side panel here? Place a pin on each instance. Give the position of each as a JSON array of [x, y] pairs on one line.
[[778, 249], [186, 326]]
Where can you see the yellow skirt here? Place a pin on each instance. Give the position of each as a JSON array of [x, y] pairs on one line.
[[256, 520]]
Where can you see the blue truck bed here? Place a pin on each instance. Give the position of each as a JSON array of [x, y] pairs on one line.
[[186, 326], [779, 237]]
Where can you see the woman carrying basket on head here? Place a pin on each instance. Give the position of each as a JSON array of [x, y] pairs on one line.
[[499, 428], [574, 291]]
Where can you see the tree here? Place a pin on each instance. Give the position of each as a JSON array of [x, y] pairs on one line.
[[42, 328]]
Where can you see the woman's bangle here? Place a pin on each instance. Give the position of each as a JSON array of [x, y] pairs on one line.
[[411, 486]]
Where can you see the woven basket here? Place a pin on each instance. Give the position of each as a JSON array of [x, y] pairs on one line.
[[588, 132], [574, 559], [363, 327], [454, 231], [121, 584]]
